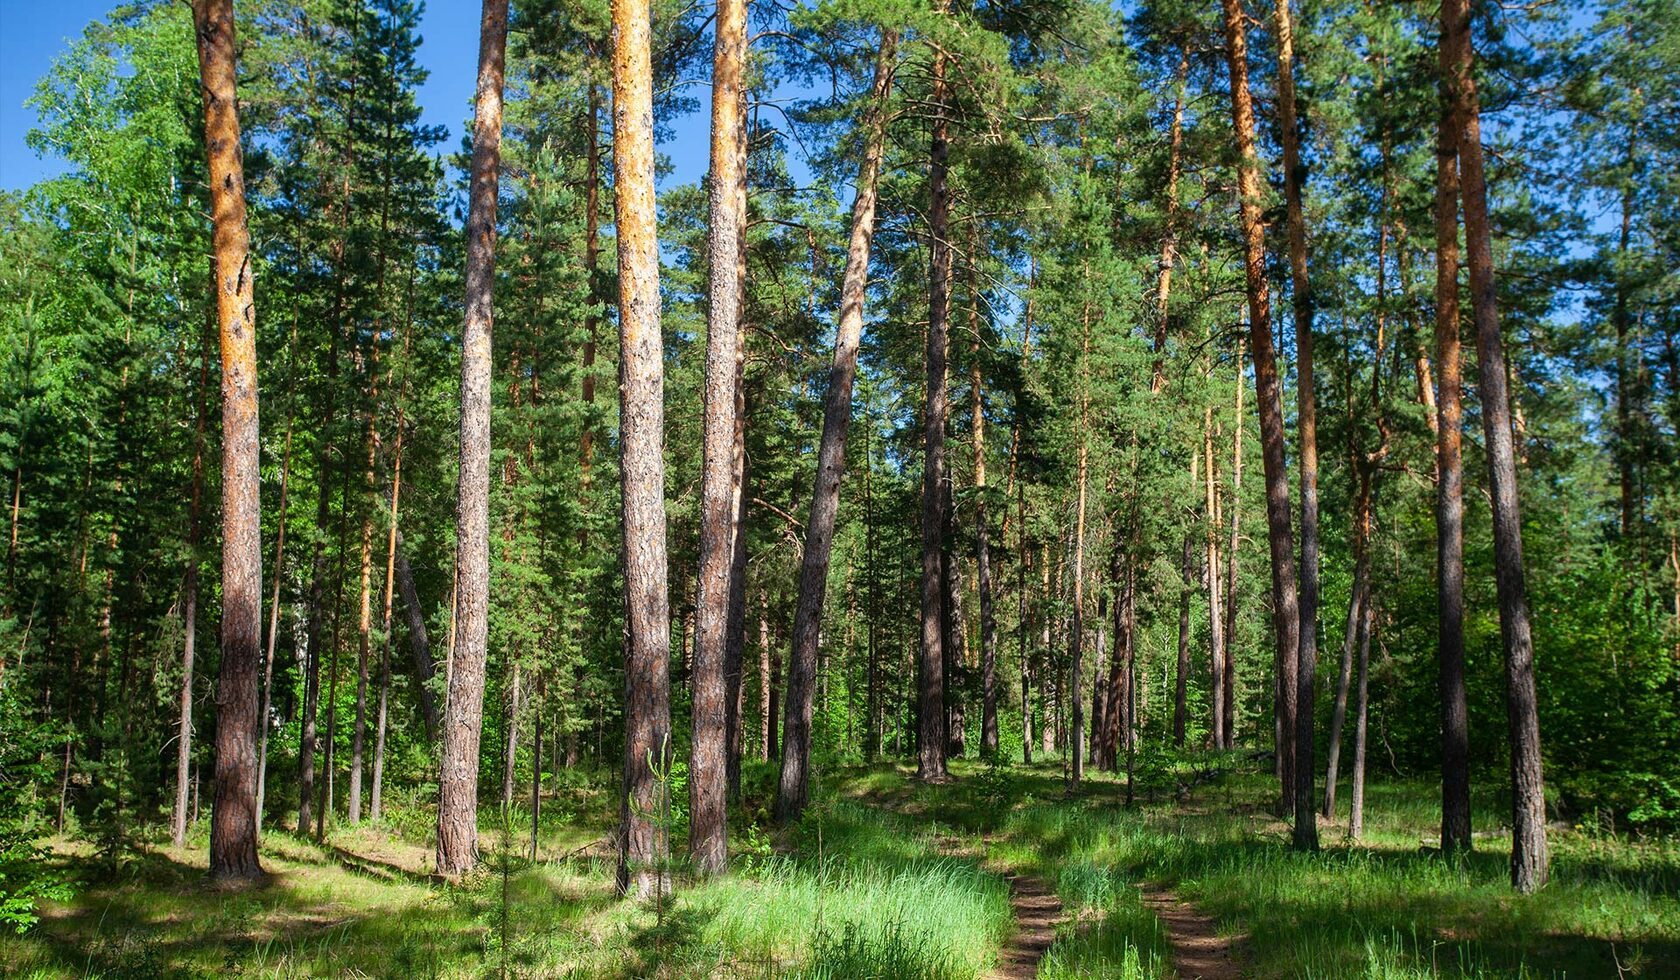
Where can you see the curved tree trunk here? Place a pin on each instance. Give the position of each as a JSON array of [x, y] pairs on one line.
[[795, 776], [233, 818], [457, 828]]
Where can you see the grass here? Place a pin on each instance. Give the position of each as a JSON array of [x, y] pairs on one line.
[[885, 879]]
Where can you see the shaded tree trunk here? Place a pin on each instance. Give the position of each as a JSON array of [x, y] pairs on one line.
[[1529, 858], [1231, 566], [931, 734], [982, 534], [233, 817], [794, 783], [1356, 812], [457, 828], [183, 735], [1306, 823], [1358, 600], [1212, 570]]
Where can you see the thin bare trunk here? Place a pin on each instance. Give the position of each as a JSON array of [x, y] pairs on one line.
[[1211, 571], [1358, 600], [1356, 813], [189, 622]]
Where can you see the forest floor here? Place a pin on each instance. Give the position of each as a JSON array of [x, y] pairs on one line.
[[1001, 872]]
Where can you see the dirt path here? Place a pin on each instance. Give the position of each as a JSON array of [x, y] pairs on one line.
[[1199, 951], [1037, 912]]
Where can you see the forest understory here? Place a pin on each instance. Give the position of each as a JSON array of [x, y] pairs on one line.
[[887, 878]]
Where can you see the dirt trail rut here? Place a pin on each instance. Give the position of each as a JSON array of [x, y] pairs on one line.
[[1037, 912], [1199, 951]]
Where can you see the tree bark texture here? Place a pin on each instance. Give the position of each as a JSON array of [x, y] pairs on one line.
[[647, 709], [1269, 395], [1529, 858], [463, 723], [931, 734], [233, 817], [708, 768], [1306, 821]]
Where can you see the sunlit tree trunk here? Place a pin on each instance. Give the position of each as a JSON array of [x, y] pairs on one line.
[[233, 818], [1231, 566], [1212, 569], [647, 710], [793, 786], [1356, 812], [1269, 394], [463, 723], [708, 767]]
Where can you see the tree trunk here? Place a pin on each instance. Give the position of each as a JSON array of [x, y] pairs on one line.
[[1169, 241], [1528, 805], [1231, 566], [982, 534], [377, 807], [708, 767], [1268, 392], [457, 828], [1449, 491], [769, 666], [793, 786], [419, 643], [1306, 822], [364, 621], [510, 742], [233, 817], [647, 709], [1357, 601], [931, 734], [1212, 570], [273, 620], [1356, 813], [183, 735], [1181, 686]]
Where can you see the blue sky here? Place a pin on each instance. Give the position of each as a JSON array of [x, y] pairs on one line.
[[33, 33]]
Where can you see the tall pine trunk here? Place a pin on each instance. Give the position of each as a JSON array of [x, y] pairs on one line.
[[233, 818], [1528, 804], [708, 767], [1269, 395], [1212, 570], [930, 687], [1449, 489], [1358, 600], [463, 723], [647, 694], [1306, 823], [793, 786], [982, 533]]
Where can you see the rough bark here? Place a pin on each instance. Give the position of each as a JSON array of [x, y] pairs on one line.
[[1528, 805], [708, 769], [794, 783], [647, 709], [1269, 395], [931, 734], [1306, 823], [1449, 488], [233, 817], [463, 723]]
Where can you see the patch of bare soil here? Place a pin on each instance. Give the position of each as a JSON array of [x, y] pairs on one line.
[[1037, 912], [1199, 952]]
